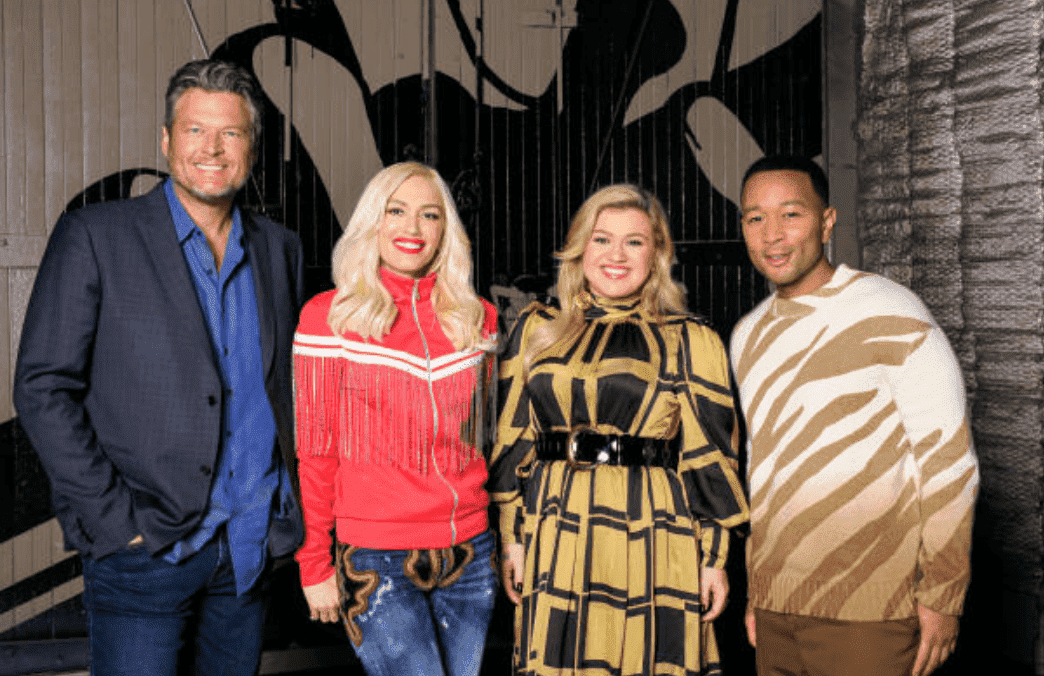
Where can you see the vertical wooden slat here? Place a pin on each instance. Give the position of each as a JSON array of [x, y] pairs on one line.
[[19, 283], [7, 354], [246, 14], [72, 99], [54, 131], [42, 558], [91, 78], [356, 136], [145, 123], [32, 118], [173, 46], [300, 118], [5, 116], [14, 104], [213, 20], [126, 22], [22, 549], [108, 95], [316, 107]]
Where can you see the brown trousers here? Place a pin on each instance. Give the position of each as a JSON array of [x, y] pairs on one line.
[[799, 645]]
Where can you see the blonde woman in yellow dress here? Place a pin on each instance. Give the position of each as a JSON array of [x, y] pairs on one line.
[[615, 469]]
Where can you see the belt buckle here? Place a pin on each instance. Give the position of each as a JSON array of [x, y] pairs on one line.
[[572, 448]]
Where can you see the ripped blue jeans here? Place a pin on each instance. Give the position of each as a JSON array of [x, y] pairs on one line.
[[422, 612]]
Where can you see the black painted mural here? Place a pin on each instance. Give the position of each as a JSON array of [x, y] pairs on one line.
[[518, 173]]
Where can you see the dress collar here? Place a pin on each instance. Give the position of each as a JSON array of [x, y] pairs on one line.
[[595, 307]]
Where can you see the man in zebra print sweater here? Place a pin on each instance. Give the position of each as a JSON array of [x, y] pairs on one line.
[[861, 467]]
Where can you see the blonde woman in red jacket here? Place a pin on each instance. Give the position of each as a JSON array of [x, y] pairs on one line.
[[391, 370]]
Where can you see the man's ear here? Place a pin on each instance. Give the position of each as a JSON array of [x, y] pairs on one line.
[[829, 218], [164, 140]]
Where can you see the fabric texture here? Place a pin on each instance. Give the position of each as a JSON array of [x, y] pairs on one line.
[[389, 433], [862, 474], [418, 612], [613, 553], [800, 645], [143, 610], [117, 383]]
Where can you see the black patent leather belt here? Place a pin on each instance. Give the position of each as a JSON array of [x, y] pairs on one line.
[[584, 448]]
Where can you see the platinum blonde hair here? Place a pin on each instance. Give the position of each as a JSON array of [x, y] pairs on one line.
[[659, 295], [362, 305]]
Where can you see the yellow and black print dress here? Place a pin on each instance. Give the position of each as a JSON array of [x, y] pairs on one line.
[[613, 553]]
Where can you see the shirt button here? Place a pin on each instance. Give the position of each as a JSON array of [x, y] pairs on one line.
[[228, 433]]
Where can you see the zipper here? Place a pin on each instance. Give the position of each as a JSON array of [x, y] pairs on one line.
[[434, 412]]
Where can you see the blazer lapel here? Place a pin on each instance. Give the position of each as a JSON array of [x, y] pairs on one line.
[[260, 255], [156, 229]]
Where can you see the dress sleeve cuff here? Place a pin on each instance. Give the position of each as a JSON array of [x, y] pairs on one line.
[[714, 545], [510, 521]]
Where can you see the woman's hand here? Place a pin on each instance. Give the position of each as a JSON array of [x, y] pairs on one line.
[[714, 592], [324, 600], [512, 566]]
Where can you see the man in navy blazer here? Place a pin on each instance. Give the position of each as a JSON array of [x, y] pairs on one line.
[[154, 381]]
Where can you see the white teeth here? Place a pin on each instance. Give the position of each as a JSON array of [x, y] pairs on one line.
[[615, 273], [409, 245]]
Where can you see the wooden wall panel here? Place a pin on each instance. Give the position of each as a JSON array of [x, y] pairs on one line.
[[32, 116], [72, 100], [15, 218], [6, 44], [531, 108]]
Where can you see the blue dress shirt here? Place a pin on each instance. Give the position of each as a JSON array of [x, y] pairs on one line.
[[249, 474]]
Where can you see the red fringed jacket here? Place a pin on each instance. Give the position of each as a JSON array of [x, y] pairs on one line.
[[389, 432]]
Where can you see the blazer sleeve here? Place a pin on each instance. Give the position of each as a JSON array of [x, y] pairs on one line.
[[93, 503]]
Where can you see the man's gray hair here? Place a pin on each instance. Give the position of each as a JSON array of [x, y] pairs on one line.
[[216, 76]]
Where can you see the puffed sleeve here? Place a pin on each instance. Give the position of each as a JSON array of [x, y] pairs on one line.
[[708, 464], [513, 452], [317, 376]]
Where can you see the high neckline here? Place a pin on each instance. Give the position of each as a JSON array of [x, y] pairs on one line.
[[596, 307], [401, 286]]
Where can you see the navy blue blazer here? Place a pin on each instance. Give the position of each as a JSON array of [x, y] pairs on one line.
[[117, 384]]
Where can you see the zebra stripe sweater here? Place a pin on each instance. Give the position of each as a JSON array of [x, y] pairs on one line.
[[861, 468]]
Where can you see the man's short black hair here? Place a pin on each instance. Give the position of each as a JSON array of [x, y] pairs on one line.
[[793, 163]]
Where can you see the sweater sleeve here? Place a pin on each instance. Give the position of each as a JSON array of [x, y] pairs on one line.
[[708, 464], [513, 452], [316, 391], [929, 392]]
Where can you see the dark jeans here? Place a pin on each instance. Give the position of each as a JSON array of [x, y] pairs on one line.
[[143, 612], [425, 617]]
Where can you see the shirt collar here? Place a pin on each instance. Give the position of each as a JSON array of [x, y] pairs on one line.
[[183, 223]]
